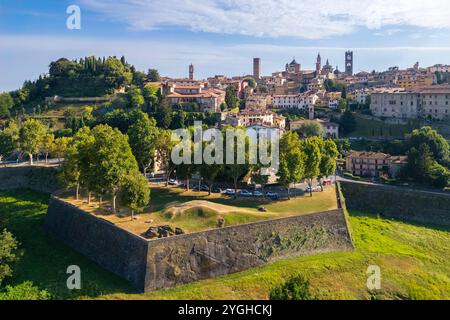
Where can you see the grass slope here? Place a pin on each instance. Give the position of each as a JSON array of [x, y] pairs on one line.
[[414, 262], [43, 260]]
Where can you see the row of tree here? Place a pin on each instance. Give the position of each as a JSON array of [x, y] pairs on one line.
[[100, 161], [30, 138]]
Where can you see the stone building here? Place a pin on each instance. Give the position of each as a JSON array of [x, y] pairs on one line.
[[373, 164], [431, 102], [185, 95]]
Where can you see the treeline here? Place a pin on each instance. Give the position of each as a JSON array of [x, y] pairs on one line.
[[86, 77], [30, 138]]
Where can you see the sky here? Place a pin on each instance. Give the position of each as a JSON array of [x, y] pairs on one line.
[[222, 36]]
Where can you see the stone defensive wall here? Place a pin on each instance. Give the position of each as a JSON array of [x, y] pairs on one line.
[[37, 178], [402, 203], [167, 262]]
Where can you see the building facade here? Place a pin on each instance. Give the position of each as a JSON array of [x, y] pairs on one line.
[[373, 164], [430, 102]]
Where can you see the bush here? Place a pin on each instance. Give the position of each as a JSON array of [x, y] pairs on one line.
[[296, 288], [24, 291], [8, 247]]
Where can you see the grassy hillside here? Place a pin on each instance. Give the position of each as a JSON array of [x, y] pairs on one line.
[[414, 262]]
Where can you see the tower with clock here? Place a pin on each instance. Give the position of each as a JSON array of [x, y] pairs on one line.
[[349, 63]]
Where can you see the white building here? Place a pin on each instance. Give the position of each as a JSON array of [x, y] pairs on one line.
[[301, 101], [333, 103]]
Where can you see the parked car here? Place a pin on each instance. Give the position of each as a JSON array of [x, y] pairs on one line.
[[173, 182], [273, 195], [257, 194], [216, 190], [313, 189], [203, 187], [229, 192], [245, 193]]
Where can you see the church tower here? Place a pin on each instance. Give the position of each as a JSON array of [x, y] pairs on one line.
[[191, 72], [349, 63], [318, 64]]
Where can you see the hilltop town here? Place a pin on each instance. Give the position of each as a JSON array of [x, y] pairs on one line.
[[89, 147]]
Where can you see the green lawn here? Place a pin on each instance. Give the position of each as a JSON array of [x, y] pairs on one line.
[[414, 262], [44, 261]]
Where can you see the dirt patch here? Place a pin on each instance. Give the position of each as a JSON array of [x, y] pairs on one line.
[[199, 204]]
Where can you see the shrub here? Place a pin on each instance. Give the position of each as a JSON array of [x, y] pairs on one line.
[[24, 291], [296, 288], [8, 247]]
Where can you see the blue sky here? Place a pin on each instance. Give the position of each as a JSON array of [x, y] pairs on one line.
[[222, 36]]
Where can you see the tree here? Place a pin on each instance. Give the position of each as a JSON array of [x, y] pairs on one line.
[[296, 288], [30, 136], [134, 193], [163, 114], [143, 137], [179, 120], [153, 75], [113, 160], [136, 98], [231, 97], [139, 78], [223, 107], [186, 170], [258, 176], [343, 145], [209, 173], [164, 146], [310, 129], [8, 246], [439, 147], [251, 82], [234, 169], [291, 169], [78, 161], [47, 145], [311, 150], [348, 122], [9, 139], [59, 147], [6, 103], [424, 169], [329, 153]]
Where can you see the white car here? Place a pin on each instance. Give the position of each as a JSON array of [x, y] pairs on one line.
[[257, 194], [173, 182], [229, 192], [245, 193]]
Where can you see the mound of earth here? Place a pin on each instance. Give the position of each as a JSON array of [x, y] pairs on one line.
[[203, 205]]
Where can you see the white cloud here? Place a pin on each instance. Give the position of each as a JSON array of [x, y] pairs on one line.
[[311, 19], [24, 57]]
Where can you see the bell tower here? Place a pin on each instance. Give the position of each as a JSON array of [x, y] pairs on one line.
[[318, 64], [191, 72], [349, 63]]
